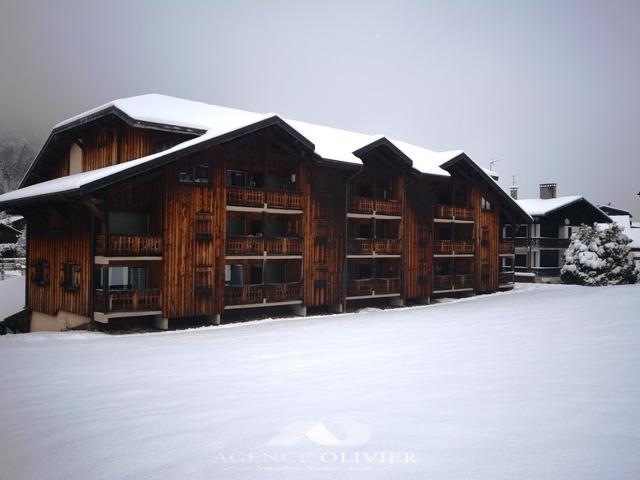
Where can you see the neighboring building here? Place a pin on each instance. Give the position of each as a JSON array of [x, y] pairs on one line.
[[166, 208], [540, 245], [631, 228], [8, 234]]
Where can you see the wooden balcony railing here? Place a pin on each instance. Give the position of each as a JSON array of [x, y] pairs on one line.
[[453, 213], [283, 246], [388, 246], [128, 301], [244, 245], [371, 205], [506, 278], [370, 286], [254, 294], [507, 248], [452, 282], [257, 197], [360, 246], [125, 245], [453, 247]]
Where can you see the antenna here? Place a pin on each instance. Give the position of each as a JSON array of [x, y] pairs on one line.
[[492, 162], [513, 180]]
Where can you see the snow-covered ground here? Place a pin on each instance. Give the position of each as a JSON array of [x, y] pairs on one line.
[[539, 383]]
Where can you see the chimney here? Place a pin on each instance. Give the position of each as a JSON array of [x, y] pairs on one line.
[[514, 192], [548, 190]]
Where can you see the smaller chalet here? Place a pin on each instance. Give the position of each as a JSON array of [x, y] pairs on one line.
[[540, 245]]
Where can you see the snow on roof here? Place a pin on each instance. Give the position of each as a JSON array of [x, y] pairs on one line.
[[629, 230], [541, 207], [330, 143]]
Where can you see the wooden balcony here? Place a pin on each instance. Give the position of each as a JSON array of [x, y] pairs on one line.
[[506, 278], [373, 286], [388, 246], [381, 246], [449, 212], [453, 247], [360, 246], [283, 246], [506, 248], [368, 205], [452, 282], [244, 245], [128, 301], [258, 197], [260, 294], [129, 245]]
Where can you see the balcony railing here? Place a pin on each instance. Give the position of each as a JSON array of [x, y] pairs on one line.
[[128, 301], [129, 245], [283, 246], [371, 286], [370, 205], [244, 245], [453, 213], [506, 278], [254, 294], [453, 247], [257, 197], [507, 248], [388, 246], [382, 246], [452, 282]]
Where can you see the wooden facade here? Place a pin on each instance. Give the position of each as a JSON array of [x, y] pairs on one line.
[[258, 221]]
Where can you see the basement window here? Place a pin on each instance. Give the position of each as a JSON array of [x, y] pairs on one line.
[[40, 272], [70, 273]]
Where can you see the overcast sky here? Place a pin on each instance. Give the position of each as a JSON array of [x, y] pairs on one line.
[[552, 89]]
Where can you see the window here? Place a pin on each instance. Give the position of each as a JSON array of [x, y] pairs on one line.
[[197, 174], [70, 273], [442, 268], [128, 223], [549, 230], [276, 181], [40, 272], [521, 260], [486, 205], [235, 226], [75, 159], [236, 178], [126, 278], [204, 226], [274, 272], [549, 258], [234, 275], [204, 280]]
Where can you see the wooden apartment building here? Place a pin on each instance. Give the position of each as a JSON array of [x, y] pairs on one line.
[[165, 208]]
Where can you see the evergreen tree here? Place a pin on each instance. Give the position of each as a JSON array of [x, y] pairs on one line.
[[599, 257]]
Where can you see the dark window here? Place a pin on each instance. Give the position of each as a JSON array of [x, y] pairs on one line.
[[40, 272], [255, 274], [128, 223], [549, 258], [197, 174], [549, 230], [235, 226], [521, 260], [443, 268], [234, 275], [274, 272], [486, 205], [70, 273], [204, 280], [236, 178], [276, 181]]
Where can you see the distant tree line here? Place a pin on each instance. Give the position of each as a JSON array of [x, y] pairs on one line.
[[15, 156]]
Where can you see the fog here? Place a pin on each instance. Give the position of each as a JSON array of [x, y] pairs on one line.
[[548, 88]]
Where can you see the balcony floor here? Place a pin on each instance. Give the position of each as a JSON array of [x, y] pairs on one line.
[[105, 317]]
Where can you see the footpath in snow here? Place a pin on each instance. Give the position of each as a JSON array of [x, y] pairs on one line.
[[539, 383]]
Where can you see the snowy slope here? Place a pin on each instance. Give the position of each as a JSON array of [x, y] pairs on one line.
[[541, 383]]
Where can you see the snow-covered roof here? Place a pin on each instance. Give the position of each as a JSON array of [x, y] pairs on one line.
[[10, 220], [330, 143], [544, 206], [219, 123], [629, 230]]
